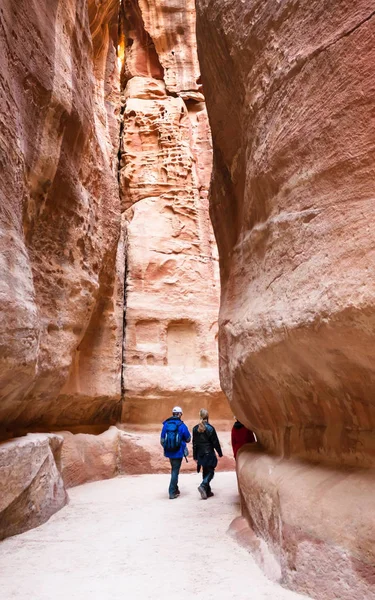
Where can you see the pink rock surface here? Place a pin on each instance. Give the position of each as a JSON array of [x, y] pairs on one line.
[[290, 93], [59, 224], [31, 486], [172, 292], [318, 521]]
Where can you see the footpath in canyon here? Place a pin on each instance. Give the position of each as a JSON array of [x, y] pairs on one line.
[[123, 538], [186, 198]]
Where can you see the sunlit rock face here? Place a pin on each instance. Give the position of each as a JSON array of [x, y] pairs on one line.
[[60, 214], [290, 93], [172, 292]]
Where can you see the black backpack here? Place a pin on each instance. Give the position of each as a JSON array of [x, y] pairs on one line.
[[172, 438]]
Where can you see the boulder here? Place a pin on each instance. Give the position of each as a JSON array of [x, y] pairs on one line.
[[31, 486], [86, 457]]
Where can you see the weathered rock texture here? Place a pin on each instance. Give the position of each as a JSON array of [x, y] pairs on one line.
[[290, 92], [172, 293], [31, 486], [60, 327]]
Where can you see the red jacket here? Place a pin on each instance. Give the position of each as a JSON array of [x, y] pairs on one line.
[[240, 436]]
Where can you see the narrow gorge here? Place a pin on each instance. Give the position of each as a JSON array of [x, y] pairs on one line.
[[112, 274], [110, 288]]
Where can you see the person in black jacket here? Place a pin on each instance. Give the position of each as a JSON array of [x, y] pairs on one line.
[[205, 442]]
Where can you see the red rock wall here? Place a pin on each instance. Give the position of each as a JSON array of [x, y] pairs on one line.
[[59, 214], [172, 293], [290, 93]]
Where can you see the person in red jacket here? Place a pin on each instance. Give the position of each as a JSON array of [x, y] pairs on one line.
[[240, 436]]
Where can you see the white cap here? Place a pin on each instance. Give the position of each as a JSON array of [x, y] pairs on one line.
[[177, 409]]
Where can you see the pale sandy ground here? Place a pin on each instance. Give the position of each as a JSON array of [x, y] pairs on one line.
[[124, 539]]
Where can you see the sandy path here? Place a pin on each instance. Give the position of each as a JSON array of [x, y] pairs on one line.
[[124, 539]]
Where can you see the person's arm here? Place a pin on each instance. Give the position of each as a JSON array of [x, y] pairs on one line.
[[186, 434], [216, 443], [162, 436], [232, 439], [195, 453]]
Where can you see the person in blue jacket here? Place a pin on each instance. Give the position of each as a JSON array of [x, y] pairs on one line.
[[173, 438]]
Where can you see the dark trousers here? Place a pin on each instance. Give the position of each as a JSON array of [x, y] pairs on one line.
[[208, 475], [175, 469]]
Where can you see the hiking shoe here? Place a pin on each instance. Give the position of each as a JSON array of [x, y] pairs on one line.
[[210, 494], [202, 492]]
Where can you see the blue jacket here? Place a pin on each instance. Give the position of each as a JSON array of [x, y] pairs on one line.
[[185, 437]]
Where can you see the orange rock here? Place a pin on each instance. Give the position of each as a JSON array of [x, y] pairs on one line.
[[86, 457], [61, 215]]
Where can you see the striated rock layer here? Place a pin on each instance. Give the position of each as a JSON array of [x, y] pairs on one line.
[[290, 92], [172, 294], [61, 326]]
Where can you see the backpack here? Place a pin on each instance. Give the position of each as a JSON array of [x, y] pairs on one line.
[[172, 439]]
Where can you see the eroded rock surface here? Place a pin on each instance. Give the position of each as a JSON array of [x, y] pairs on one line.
[[172, 290], [290, 93], [59, 213], [31, 486]]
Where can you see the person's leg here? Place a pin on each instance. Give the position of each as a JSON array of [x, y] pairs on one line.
[[178, 467], [205, 474], [175, 469], [210, 478], [202, 489], [208, 475]]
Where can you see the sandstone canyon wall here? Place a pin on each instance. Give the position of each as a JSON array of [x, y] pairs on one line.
[[290, 90], [60, 213], [172, 293]]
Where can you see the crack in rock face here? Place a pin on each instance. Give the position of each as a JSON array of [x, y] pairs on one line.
[[170, 350]]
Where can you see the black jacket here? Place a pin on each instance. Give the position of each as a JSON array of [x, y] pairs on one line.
[[205, 443]]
